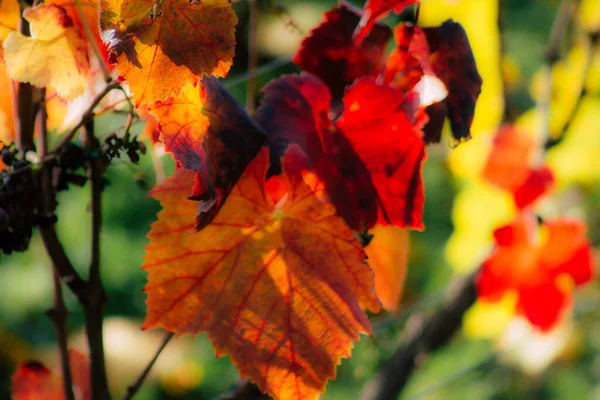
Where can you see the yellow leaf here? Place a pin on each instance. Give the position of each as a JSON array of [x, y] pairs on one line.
[[54, 56], [388, 258]]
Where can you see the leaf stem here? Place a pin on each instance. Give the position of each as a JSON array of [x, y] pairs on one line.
[[135, 386], [90, 35]]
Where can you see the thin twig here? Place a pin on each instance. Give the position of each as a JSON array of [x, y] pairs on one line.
[[591, 42], [58, 313], [431, 334], [135, 386], [92, 40], [87, 115], [252, 56], [263, 69], [94, 310], [552, 56]]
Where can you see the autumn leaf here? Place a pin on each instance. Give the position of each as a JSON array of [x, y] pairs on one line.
[[279, 288], [208, 132], [453, 63], [509, 166], [7, 128], [55, 42], [33, 381], [161, 46], [442, 55], [370, 159], [10, 12], [90, 12], [541, 266], [377, 9], [387, 254], [329, 52]]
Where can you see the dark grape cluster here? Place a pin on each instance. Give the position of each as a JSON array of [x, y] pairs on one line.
[[17, 203], [114, 146]]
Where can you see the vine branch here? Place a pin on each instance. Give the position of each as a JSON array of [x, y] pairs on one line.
[[58, 313], [429, 335], [94, 309]]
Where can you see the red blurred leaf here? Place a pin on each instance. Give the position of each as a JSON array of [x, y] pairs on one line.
[[208, 132], [370, 159], [509, 166], [277, 288], [375, 10], [538, 267], [329, 52], [33, 381]]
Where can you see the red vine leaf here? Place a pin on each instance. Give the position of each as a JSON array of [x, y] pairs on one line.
[[509, 166], [160, 46], [370, 159], [375, 10], [330, 53], [278, 288], [541, 268], [208, 132], [453, 63]]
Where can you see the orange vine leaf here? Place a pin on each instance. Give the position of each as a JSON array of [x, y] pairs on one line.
[[279, 288], [160, 46], [329, 52], [209, 132], [541, 266], [55, 41], [388, 257]]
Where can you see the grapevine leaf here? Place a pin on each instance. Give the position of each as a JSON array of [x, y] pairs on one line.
[[453, 63], [388, 257], [278, 288], [208, 132], [370, 159], [509, 166], [539, 271], [160, 46], [54, 41], [33, 381], [329, 52], [376, 125], [375, 10], [90, 12]]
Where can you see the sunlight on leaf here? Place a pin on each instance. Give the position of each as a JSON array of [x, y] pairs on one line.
[[54, 42], [160, 46], [279, 289]]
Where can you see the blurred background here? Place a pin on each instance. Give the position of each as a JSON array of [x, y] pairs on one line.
[[494, 357]]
